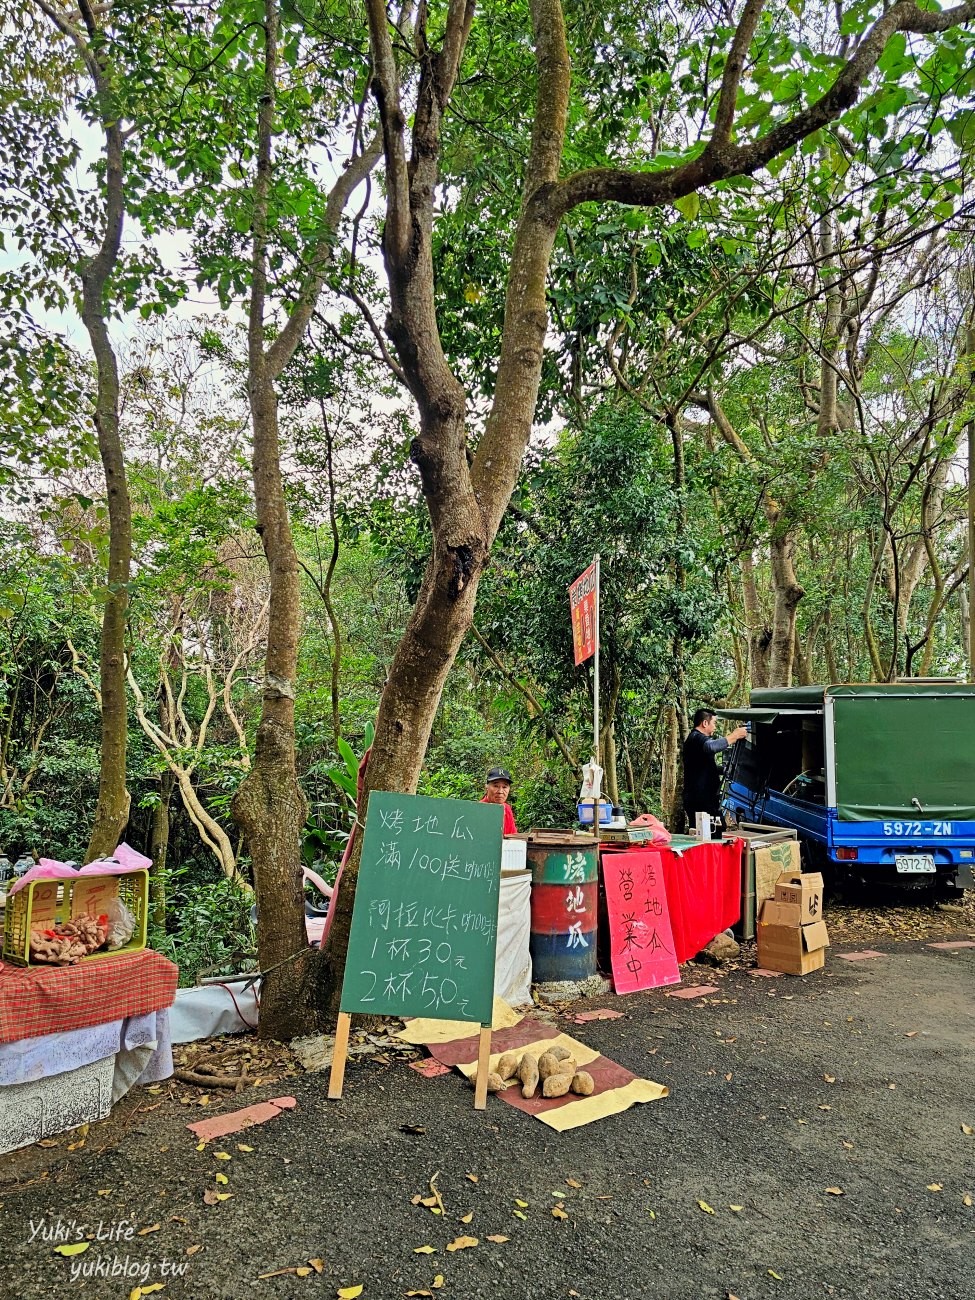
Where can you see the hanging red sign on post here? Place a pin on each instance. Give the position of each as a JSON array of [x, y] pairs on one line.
[[641, 941], [583, 599]]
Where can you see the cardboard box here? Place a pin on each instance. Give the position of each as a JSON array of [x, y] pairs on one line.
[[804, 888], [787, 945]]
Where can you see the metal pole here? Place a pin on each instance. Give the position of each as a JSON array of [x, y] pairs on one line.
[[595, 705]]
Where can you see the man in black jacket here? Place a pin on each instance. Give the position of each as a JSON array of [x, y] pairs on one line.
[[702, 779]]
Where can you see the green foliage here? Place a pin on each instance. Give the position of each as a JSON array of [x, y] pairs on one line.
[[208, 929]]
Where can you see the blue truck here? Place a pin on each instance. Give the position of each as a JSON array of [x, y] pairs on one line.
[[877, 780]]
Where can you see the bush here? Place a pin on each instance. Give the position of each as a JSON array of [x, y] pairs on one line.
[[208, 928]]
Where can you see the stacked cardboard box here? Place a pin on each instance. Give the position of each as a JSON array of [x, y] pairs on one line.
[[792, 934]]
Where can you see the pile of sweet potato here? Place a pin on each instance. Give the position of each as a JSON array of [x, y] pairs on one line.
[[554, 1069]]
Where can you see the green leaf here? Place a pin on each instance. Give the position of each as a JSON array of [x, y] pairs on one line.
[[689, 206]]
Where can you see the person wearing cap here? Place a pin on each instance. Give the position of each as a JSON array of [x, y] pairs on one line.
[[497, 787]]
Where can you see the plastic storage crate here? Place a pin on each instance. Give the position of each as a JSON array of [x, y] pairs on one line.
[[46, 902]]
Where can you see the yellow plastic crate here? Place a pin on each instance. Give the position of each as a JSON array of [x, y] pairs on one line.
[[46, 902]]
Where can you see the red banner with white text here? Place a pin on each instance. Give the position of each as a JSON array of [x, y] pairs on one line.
[[583, 599]]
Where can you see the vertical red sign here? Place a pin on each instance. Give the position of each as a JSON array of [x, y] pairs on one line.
[[641, 942], [583, 595]]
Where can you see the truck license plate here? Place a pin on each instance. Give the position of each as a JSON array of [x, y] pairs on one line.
[[915, 863]]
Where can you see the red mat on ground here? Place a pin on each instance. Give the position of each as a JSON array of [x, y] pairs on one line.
[[36, 1000], [703, 893], [606, 1074]]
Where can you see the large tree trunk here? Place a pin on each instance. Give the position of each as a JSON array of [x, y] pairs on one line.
[[112, 811], [269, 805]]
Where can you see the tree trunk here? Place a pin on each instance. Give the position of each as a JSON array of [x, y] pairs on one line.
[[788, 594], [759, 635], [112, 810], [159, 848], [269, 805], [670, 796]]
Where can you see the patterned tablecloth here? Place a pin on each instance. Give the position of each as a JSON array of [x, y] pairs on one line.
[[36, 1000]]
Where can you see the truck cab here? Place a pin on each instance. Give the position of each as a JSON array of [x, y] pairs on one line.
[[878, 781]]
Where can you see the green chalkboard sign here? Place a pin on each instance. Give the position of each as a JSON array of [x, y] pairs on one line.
[[425, 922]]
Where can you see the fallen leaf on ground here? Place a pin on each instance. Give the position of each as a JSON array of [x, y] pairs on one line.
[[912, 1034], [497, 1237], [703, 1205], [304, 1271], [652, 1214], [471, 1178], [144, 1232], [737, 1208], [571, 1182], [466, 1218], [201, 1146], [520, 1214], [242, 1147], [830, 1078], [967, 1130], [424, 1250], [317, 1264], [825, 1107], [461, 1243], [222, 1179], [349, 1292], [848, 1145], [72, 1248], [222, 1155], [558, 1212], [212, 1197], [417, 1293], [437, 1282], [192, 1250], [522, 1205], [967, 1200], [835, 1191], [278, 1272], [772, 1273], [105, 1191], [934, 1187]]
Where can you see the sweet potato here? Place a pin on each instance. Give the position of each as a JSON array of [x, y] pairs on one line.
[[548, 1064], [556, 1085], [583, 1083], [507, 1066], [528, 1074]]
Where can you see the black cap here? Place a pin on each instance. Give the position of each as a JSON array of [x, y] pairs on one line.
[[498, 774]]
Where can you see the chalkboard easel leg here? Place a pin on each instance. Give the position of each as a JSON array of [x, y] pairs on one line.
[[483, 1059], [339, 1055]]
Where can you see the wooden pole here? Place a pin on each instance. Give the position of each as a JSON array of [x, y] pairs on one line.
[[483, 1060], [337, 1076]]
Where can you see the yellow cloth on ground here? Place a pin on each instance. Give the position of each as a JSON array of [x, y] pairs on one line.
[[587, 1109], [425, 1031]]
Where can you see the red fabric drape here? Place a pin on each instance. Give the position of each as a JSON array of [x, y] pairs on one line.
[[703, 893]]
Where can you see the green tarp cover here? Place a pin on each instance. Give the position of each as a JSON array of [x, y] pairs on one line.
[[896, 744]]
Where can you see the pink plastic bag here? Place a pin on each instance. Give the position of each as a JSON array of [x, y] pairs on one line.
[[647, 821]]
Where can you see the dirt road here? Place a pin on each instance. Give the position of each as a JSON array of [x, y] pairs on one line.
[[821, 1120]]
